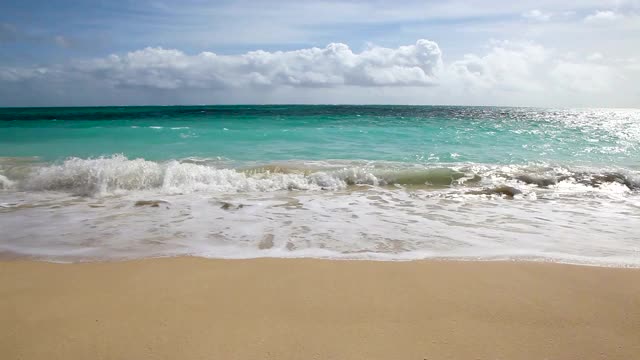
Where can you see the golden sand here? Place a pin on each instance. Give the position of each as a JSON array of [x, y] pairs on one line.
[[189, 308]]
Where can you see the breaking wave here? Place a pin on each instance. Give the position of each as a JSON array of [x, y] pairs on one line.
[[5, 183], [331, 209], [117, 173]]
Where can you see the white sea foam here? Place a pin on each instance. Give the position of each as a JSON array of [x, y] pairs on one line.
[[5, 183], [331, 209], [117, 174], [96, 176], [369, 223]]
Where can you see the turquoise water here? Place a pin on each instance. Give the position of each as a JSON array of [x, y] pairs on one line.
[[420, 134], [355, 182]]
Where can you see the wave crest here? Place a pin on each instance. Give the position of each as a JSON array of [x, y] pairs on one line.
[[5, 183], [117, 173], [95, 176]]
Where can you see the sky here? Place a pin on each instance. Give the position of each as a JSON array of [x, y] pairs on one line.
[[464, 52]]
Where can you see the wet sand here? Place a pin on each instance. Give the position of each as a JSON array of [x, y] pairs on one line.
[[190, 308]]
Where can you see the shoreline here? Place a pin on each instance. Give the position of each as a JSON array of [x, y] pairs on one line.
[[274, 308], [10, 256]]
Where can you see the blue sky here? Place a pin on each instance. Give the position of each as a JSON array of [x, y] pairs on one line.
[[496, 52]]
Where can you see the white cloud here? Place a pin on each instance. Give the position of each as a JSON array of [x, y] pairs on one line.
[[507, 73], [334, 65], [601, 16], [583, 77], [508, 66], [632, 64], [596, 56], [524, 73], [8, 74], [537, 15]]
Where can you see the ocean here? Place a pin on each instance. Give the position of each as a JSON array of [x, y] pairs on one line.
[[325, 181]]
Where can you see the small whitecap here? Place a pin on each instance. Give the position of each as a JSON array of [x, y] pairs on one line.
[[5, 183]]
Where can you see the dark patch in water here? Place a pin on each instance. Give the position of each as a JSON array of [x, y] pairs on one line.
[[230, 206], [266, 242], [597, 180], [431, 177], [584, 178], [151, 203], [505, 190], [537, 180]]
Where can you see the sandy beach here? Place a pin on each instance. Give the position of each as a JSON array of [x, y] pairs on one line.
[[191, 308]]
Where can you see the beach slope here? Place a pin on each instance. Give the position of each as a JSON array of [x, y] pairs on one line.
[[191, 308]]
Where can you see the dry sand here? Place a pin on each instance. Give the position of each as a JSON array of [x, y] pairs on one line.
[[189, 308]]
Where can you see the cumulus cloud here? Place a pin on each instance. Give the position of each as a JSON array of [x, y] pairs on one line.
[[8, 74], [596, 56], [601, 16], [583, 77], [537, 15], [631, 64], [525, 73], [508, 66], [331, 66], [512, 73]]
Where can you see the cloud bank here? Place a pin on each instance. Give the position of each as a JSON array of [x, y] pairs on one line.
[[508, 73], [334, 65]]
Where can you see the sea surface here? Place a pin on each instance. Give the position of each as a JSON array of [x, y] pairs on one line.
[[340, 182]]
